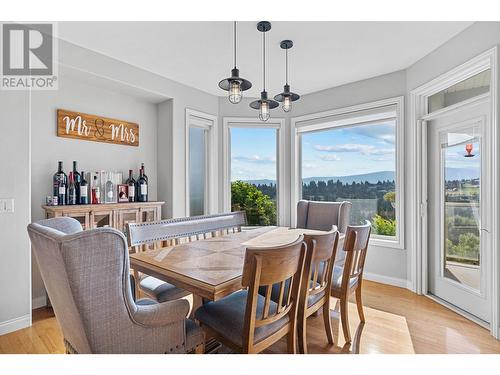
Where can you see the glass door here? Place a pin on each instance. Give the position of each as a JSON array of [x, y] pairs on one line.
[[458, 213]]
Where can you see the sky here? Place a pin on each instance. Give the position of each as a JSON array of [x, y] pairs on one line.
[[336, 152]]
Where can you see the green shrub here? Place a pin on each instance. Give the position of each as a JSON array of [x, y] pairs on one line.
[[260, 209], [384, 226]]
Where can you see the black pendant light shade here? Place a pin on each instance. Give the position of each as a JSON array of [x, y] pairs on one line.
[[264, 104], [235, 85], [286, 97]]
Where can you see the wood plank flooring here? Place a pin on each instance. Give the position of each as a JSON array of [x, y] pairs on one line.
[[397, 321]]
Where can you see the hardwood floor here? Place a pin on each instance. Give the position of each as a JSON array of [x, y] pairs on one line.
[[397, 321]]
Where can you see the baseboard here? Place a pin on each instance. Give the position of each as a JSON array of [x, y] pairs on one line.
[[38, 302], [15, 324], [394, 281]]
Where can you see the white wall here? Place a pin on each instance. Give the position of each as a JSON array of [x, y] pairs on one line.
[[383, 263], [15, 279], [47, 148]]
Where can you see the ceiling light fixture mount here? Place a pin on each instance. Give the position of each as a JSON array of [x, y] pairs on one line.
[[286, 97], [264, 104], [235, 85]]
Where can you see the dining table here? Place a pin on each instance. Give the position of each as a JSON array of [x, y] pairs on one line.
[[212, 268]]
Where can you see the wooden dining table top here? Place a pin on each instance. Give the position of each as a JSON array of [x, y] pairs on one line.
[[211, 268]]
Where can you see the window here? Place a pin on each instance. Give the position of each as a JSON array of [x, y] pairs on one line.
[[197, 170], [468, 88], [201, 189], [253, 169], [354, 155], [253, 174]]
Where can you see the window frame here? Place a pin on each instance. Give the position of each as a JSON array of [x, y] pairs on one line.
[[207, 122], [391, 108], [250, 122]]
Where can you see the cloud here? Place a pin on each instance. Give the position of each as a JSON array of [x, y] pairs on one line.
[[330, 157], [356, 147], [383, 132], [255, 159]]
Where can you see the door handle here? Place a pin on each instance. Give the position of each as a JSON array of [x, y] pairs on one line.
[[485, 230]]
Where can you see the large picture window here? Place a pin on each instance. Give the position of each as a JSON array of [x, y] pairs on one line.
[[354, 156]]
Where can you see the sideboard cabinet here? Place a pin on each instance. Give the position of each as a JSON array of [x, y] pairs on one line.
[[116, 215]]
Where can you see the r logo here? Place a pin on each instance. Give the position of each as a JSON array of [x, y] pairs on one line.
[[27, 49]]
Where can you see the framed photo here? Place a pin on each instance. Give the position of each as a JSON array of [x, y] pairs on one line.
[[122, 193]]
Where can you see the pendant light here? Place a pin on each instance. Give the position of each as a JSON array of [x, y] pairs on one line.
[[234, 84], [264, 105], [286, 97]]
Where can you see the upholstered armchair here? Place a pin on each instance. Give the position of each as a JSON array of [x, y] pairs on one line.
[[86, 274], [323, 215]]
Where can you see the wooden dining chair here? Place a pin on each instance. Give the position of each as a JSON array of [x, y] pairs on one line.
[[249, 322], [347, 279], [316, 283]]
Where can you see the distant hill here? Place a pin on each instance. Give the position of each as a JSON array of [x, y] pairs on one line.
[[453, 174], [372, 178]]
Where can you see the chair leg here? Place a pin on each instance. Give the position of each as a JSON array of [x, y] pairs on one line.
[[344, 315], [359, 304], [328, 322], [301, 328], [200, 349]]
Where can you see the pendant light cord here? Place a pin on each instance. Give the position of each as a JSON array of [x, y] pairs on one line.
[[286, 66], [235, 44], [264, 58]]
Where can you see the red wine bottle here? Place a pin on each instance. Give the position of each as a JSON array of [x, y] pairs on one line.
[[60, 182], [131, 186], [142, 187], [84, 189], [76, 179], [72, 190]]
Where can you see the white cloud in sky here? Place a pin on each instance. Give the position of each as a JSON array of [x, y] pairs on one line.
[[330, 157], [355, 147]]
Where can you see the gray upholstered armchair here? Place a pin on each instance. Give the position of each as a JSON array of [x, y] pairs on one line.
[[86, 274], [323, 215]]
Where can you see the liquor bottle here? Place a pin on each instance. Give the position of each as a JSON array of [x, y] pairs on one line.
[[72, 189], [131, 186], [60, 182], [84, 191], [144, 172], [110, 189], [77, 179], [142, 187], [96, 191]]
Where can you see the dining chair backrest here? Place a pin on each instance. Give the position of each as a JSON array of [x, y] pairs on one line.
[[185, 229], [355, 246], [323, 215], [318, 265], [266, 267]]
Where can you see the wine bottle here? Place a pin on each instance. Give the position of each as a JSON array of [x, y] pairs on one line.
[[72, 189], [142, 187], [96, 191], [110, 189], [60, 181], [76, 179], [84, 191], [131, 186], [144, 172]]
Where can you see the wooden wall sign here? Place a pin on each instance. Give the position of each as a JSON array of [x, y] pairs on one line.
[[79, 125]]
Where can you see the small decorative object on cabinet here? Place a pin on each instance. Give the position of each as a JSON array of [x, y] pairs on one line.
[[116, 215], [122, 193]]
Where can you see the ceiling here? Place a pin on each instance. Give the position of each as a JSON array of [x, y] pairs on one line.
[[325, 54]]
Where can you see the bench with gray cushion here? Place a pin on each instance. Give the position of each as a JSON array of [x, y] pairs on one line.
[[86, 274], [174, 231]]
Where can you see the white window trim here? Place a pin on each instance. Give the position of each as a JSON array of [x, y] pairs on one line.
[[417, 265], [209, 122], [310, 122], [250, 122]]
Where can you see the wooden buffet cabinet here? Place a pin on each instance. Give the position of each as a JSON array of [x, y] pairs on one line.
[[116, 215]]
